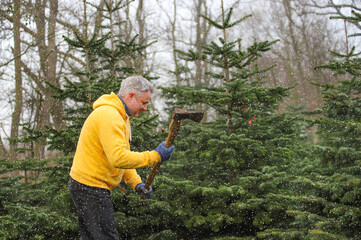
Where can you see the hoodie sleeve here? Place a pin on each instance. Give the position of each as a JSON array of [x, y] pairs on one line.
[[112, 136], [131, 178]]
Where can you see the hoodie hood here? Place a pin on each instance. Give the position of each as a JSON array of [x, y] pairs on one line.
[[110, 100]]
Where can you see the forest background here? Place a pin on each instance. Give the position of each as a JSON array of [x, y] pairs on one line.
[[277, 155]]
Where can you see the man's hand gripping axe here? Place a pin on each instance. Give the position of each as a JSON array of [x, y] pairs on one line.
[[178, 116]]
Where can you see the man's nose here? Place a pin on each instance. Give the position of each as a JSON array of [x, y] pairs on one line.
[[145, 108]]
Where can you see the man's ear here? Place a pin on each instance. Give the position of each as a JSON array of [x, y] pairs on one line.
[[130, 95]]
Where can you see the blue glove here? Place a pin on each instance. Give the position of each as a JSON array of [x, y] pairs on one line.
[[143, 192], [164, 152]]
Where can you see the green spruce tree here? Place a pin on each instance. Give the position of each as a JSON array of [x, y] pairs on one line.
[[328, 205], [41, 207], [223, 170]]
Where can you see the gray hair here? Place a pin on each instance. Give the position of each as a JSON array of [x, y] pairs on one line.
[[136, 84]]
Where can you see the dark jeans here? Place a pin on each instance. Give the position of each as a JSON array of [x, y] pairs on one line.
[[95, 211]]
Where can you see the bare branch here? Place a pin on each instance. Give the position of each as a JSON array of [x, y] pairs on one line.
[[66, 54], [23, 26], [38, 80], [23, 53]]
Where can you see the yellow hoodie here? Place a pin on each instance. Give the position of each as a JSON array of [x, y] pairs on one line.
[[103, 157]]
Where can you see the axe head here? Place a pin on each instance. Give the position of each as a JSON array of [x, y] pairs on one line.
[[180, 114]]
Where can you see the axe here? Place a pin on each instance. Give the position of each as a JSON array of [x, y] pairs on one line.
[[178, 116]]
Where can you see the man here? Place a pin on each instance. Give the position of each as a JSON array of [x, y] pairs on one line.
[[103, 158]]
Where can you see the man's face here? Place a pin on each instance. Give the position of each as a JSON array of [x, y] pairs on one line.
[[138, 103]]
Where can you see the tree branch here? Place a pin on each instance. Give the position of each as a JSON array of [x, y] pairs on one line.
[[11, 19], [33, 76]]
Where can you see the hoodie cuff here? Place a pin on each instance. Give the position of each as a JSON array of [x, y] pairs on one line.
[[156, 156]]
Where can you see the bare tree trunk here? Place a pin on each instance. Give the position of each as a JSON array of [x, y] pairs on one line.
[[295, 45], [99, 18], [56, 106], [112, 42], [174, 42], [205, 31], [202, 30], [18, 80], [46, 44], [128, 28], [139, 65], [199, 42], [43, 111], [86, 51], [3, 152]]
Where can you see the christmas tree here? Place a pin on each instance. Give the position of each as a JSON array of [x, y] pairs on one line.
[[219, 181], [328, 205], [41, 207]]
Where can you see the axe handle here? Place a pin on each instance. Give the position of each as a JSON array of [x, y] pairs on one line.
[[173, 131]]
